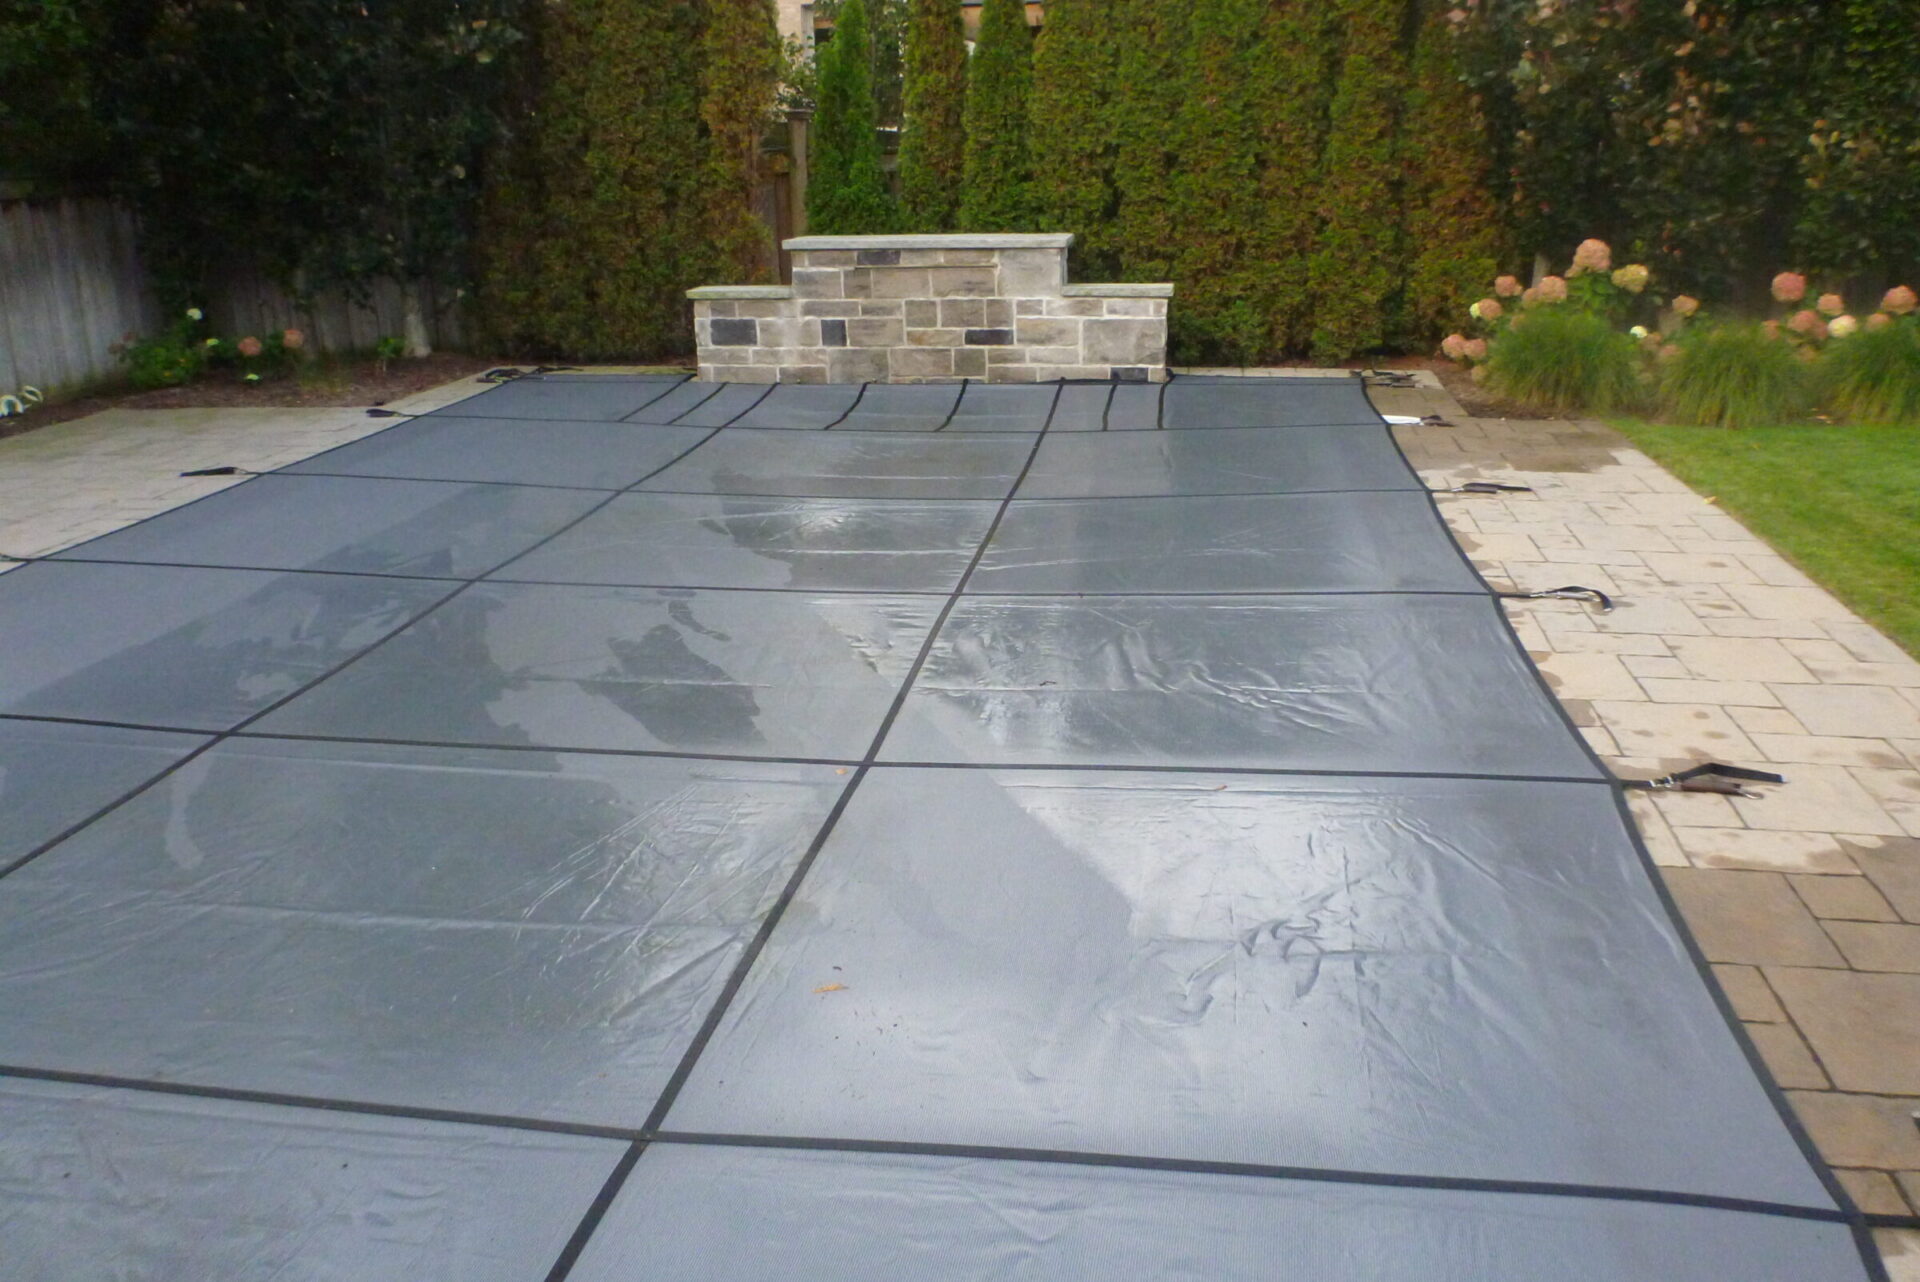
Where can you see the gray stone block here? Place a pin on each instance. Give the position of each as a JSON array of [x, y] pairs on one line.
[[935, 337], [922, 362], [878, 257], [876, 332], [823, 258], [858, 365], [735, 333], [818, 282], [963, 313], [1076, 307], [1043, 332], [1032, 272], [922, 313], [900, 282], [970, 362], [833, 333], [1125, 342], [1130, 374], [989, 338], [831, 307], [960, 282]]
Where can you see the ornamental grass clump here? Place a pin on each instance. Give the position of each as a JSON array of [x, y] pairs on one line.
[[1733, 375], [1566, 358], [1873, 376]]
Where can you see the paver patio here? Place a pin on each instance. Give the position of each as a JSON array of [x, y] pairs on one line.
[[1807, 900]]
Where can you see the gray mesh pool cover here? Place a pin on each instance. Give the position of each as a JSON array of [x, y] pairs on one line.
[[622, 827]]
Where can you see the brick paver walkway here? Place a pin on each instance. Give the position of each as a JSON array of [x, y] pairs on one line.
[[1806, 900]]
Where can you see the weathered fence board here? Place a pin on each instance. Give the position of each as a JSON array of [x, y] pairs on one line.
[[71, 285]]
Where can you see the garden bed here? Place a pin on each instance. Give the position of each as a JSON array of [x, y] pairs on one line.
[[325, 382]]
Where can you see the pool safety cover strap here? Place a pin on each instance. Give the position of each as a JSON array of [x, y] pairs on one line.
[[618, 826]]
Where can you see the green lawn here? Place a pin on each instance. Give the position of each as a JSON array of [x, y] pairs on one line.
[[1843, 503]]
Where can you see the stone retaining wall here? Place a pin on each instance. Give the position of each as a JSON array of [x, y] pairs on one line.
[[925, 309]]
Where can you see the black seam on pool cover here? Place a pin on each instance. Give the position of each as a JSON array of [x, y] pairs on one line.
[[671, 1091], [1260, 1170], [221, 736], [956, 406], [670, 755], [852, 405], [1064, 1157], [717, 388]]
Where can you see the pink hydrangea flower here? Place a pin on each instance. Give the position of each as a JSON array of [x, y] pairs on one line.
[[1807, 324], [1841, 326], [250, 346], [1475, 349], [1488, 309], [1551, 289], [1592, 256], [1879, 320], [1770, 328], [293, 340], [1831, 304], [1685, 305], [1507, 287], [1899, 301], [1633, 277], [1454, 347], [1789, 287]]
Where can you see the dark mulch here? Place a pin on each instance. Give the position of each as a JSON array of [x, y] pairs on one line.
[[325, 382]]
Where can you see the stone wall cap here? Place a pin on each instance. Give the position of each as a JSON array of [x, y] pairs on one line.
[[976, 240], [1117, 290], [711, 292]]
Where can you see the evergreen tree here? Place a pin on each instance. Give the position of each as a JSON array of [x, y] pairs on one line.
[[1352, 272], [1452, 224], [1150, 78], [846, 190], [1214, 189], [933, 143], [626, 177], [997, 178], [742, 74], [1071, 132], [1292, 87]]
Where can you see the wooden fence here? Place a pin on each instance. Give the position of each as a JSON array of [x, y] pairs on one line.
[[71, 286]]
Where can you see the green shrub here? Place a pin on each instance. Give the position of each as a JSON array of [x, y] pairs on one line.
[[1733, 376], [932, 141], [846, 191], [996, 187], [1562, 358], [1873, 377], [1071, 137], [1354, 270]]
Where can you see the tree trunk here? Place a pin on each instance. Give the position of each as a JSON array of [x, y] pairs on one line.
[[413, 320]]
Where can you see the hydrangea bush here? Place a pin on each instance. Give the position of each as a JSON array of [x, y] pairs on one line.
[[1724, 371]]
